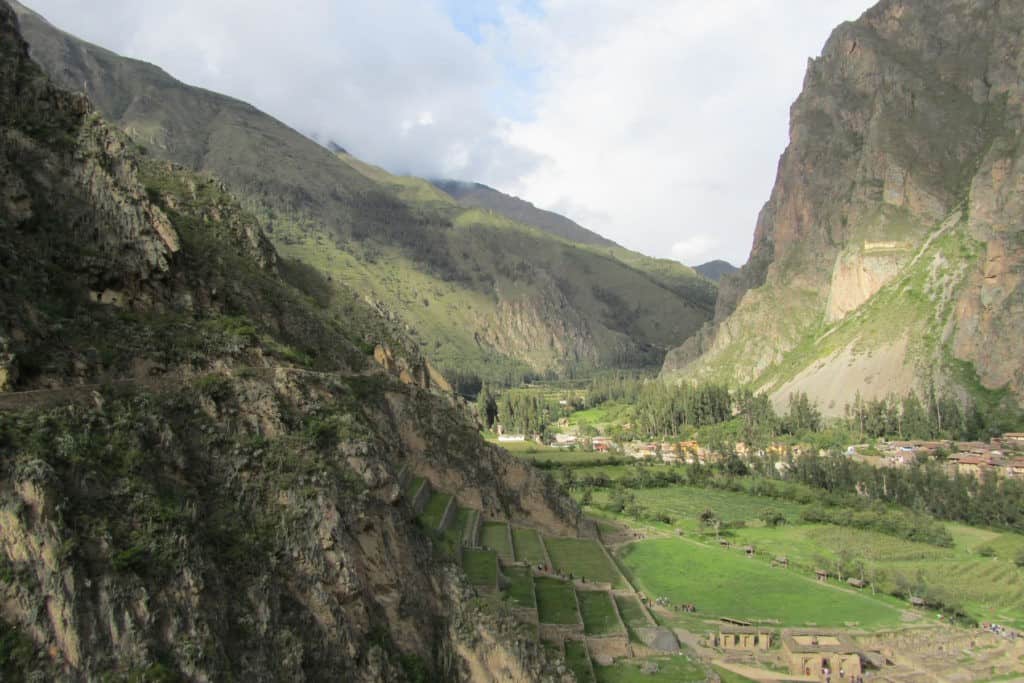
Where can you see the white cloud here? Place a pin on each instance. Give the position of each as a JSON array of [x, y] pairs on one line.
[[695, 249], [658, 123]]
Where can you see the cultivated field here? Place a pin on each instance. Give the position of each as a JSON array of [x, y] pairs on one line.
[[494, 535], [576, 657], [555, 601], [598, 613], [431, 515], [480, 566], [582, 558], [725, 583], [527, 545], [520, 589], [670, 669]]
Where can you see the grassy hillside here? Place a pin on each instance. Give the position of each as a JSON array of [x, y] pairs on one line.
[[486, 297]]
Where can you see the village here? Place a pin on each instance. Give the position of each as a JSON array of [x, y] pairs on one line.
[[1002, 456]]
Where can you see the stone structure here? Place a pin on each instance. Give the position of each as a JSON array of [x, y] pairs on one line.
[[813, 653], [731, 637]]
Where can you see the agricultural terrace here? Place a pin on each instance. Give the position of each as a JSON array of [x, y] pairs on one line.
[[494, 535], [598, 613], [632, 613], [412, 486], [726, 583], [452, 537], [481, 566], [527, 546], [583, 558], [578, 660], [434, 510], [556, 603], [520, 586]]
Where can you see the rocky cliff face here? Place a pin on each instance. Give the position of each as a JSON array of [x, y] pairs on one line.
[[200, 463], [913, 114]]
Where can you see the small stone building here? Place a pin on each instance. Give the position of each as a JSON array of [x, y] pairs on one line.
[[730, 637], [811, 652]]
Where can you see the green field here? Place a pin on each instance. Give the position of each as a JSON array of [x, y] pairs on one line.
[[631, 610], [598, 613], [480, 566], [556, 603], [452, 537], [685, 503], [989, 588], [559, 456], [582, 558], [679, 668], [527, 546], [494, 535], [431, 515], [520, 588], [578, 660], [725, 583]]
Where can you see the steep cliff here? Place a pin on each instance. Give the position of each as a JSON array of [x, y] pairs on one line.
[[892, 238], [200, 460]]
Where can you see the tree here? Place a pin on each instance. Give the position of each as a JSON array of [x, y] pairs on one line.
[[772, 518], [708, 518]]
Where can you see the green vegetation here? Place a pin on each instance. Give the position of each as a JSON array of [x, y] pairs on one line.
[[520, 587], [578, 660], [453, 535], [632, 611], [677, 669], [481, 566], [527, 545], [434, 510], [412, 487], [725, 583], [494, 535], [598, 613], [582, 558], [556, 602]]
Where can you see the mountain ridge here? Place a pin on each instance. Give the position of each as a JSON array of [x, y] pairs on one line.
[[486, 298]]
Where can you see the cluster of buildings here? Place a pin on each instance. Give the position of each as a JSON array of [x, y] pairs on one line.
[[1002, 456]]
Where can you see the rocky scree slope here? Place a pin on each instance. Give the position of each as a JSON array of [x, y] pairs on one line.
[[234, 513], [482, 294], [893, 237]]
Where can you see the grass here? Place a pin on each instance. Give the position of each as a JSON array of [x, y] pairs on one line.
[[631, 610], [583, 558], [520, 589], [679, 668], [725, 583], [556, 603], [453, 535], [557, 456], [480, 566], [685, 503], [726, 676], [527, 546], [989, 588], [578, 660], [494, 535], [598, 613], [434, 510]]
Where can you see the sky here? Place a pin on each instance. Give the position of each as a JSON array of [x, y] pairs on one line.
[[657, 123]]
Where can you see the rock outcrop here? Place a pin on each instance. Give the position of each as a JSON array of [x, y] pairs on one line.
[[913, 115]]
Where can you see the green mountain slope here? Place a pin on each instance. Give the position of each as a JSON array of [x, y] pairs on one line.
[[484, 296], [716, 270], [889, 256], [520, 210], [201, 464]]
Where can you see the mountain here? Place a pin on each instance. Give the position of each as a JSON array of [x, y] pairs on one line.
[[715, 270], [203, 443], [520, 210], [888, 257], [485, 297]]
